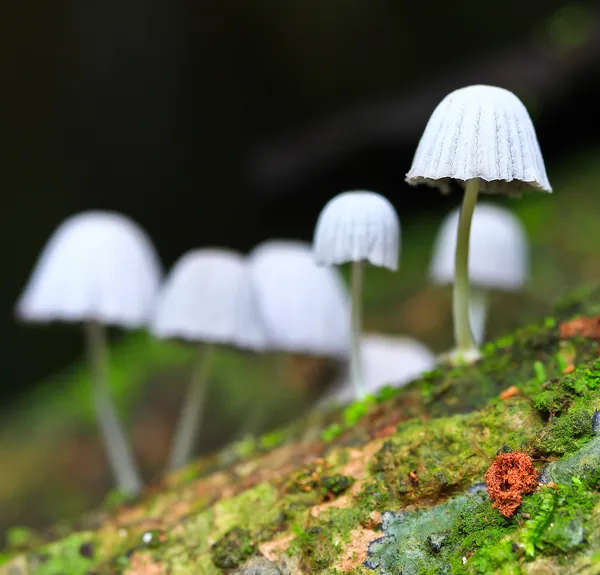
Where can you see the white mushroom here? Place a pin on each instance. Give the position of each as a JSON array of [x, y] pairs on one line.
[[208, 297], [99, 268], [387, 360], [483, 137], [358, 227], [305, 307], [498, 257]]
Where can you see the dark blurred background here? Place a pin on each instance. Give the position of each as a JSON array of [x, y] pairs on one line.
[[229, 123]]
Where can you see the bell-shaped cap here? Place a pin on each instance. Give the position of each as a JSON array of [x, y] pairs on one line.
[[387, 360], [98, 266], [358, 226], [480, 132], [306, 308], [208, 296], [393, 360], [498, 249]]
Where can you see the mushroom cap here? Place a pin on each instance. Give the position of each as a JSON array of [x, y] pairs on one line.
[[358, 226], [498, 249], [208, 296], [393, 360], [480, 132], [96, 266], [306, 308], [387, 360]]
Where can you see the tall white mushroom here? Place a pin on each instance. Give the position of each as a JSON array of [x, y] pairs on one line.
[[483, 137], [99, 268], [358, 227], [305, 307], [208, 297], [498, 257], [387, 360]]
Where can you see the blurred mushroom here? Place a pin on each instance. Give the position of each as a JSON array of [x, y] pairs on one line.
[[358, 227], [305, 307], [99, 268], [498, 257], [483, 137], [387, 360], [208, 297]]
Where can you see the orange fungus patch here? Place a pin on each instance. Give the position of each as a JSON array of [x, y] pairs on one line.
[[508, 479]]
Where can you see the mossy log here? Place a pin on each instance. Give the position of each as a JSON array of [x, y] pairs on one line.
[[390, 485]]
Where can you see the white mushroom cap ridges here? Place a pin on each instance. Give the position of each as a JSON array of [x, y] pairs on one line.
[[305, 307], [96, 266], [480, 132], [209, 296], [358, 226], [498, 254]]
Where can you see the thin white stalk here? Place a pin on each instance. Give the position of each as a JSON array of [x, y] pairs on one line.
[[478, 313], [356, 369], [118, 450], [465, 342], [190, 420]]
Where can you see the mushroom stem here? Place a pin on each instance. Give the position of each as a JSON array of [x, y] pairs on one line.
[[465, 343], [118, 450], [191, 415], [478, 313], [356, 371]]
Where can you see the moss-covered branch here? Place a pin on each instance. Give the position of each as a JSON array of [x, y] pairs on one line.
[[389, 485]]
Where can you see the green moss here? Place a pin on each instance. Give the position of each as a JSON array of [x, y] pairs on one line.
[[551, 522], [479, 524], [252, 509], [583, 300], [336, 484], [528, 355], [455, 424], [499, 558], [197, 530], [74, 555], [320, 541], [565, 434], [448, 453], [555, 396], [375, 494], [21, 538], [235, 547]]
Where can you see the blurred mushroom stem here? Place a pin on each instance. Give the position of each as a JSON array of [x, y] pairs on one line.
[[118, 450], [478, 313], [466, 348], [356, 370], [190, 420]]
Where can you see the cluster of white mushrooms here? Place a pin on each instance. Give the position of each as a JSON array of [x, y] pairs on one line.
[[100, 268]]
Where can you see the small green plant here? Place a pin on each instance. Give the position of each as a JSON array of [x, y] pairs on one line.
[[246, 446], [350, 417], [331, 432], [272, 439], [561, 361], [356, 411], [540, 371]]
